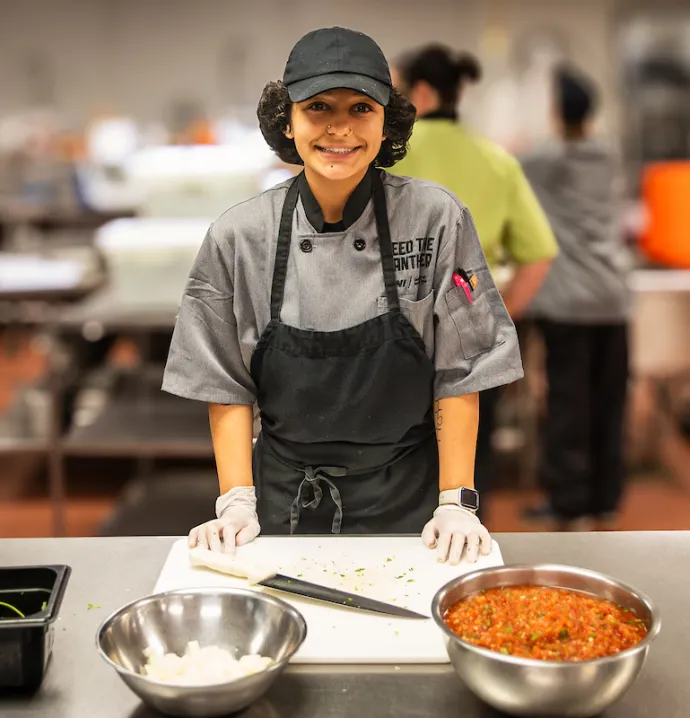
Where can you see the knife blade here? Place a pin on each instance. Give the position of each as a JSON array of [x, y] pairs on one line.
[[279, 582], [234, 566]]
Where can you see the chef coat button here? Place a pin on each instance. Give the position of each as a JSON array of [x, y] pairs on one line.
[[360, 244], [306, 246]]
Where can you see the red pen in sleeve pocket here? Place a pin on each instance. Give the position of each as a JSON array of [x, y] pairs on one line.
[[460, 282]]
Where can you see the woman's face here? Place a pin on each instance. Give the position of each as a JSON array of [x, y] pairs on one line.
[[338, 133]]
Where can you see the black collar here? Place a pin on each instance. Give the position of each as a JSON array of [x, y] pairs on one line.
[[355, 205], [441, 114]]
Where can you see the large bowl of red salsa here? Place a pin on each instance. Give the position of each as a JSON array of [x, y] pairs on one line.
[[545, 640]]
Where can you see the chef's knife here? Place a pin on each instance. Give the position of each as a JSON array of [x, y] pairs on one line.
[[233, 566]]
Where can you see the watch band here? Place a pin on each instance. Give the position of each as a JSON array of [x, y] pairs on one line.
[[467, 498]]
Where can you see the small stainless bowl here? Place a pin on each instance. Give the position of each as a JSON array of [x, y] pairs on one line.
[[239, 620], [530, 687]]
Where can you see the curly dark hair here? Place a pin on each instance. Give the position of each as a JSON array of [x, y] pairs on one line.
[[274, 112]]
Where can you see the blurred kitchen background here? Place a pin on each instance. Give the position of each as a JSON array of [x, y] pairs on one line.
[[127, 127]]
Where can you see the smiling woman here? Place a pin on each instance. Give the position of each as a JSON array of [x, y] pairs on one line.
[[337, 135], [275, 113], [339, 131], [334, 302]]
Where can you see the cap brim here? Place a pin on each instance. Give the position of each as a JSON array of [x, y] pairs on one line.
[[304, 89]]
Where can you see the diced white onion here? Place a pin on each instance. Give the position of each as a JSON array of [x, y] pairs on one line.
[[201, 666]]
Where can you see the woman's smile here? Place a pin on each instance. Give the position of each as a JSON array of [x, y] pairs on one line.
[[338, 153]]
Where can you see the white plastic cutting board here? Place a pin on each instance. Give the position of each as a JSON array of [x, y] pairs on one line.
[[397, 570]]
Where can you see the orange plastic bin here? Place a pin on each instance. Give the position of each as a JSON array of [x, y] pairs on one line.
[[666, 195]]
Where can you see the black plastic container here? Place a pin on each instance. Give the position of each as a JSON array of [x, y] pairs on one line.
[[26, 643]]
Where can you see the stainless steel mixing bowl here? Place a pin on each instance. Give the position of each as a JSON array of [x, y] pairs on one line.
[[239, 620], [529, 687]]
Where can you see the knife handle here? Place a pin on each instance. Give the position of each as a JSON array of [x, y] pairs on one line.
[[231, 565]]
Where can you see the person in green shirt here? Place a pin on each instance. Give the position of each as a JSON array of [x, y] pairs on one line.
[[513, 229]]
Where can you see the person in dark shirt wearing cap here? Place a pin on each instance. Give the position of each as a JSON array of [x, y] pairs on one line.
[[356, 308], [582, 310]]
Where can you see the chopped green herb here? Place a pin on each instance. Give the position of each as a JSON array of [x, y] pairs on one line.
[[349, 599], [93, 605], [359, 570], [534, 636], [410, 580], [504, 650], [299, 575], [43, 605], [563, 634], [507, 629], [402, 575], [397, 633]]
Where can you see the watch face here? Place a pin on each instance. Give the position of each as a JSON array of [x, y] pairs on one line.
[[469, 499]]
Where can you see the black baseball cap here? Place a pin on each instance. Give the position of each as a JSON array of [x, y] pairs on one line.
[[335, 57]]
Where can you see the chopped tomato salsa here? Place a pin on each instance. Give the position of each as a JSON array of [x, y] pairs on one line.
[[550, 624]]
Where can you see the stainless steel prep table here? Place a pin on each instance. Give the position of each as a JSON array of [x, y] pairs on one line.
[[110, 572]]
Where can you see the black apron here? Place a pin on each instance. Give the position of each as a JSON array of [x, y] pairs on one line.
[[347, 441]]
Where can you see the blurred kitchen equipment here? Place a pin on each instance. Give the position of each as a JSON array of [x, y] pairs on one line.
[[240, 621], [53, 274], [527, 687], [200, 180], [149, 259], [655, 58], [660, 323], [102, 178], [665, 190]]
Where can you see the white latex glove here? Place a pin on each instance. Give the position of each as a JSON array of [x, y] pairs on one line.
[[451, 529], [237, 522]]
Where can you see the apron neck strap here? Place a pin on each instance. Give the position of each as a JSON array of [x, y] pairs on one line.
[[283, 250], [385, 247], [285, 234]]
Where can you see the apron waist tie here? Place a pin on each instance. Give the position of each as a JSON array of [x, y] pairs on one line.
[[312, 479]]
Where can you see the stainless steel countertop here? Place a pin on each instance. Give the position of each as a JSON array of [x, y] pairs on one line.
[[112, 571]]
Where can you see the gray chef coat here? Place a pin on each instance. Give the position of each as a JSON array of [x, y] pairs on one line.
[[335, 281], [576, 183]]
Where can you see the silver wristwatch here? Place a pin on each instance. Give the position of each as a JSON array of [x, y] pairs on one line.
[[467, 498]]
